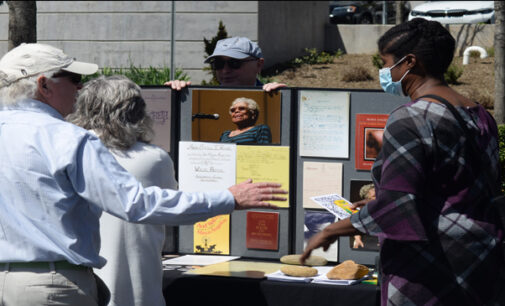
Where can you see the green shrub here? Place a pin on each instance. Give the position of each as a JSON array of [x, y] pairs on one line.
[[453, 73], [501, 143], [209, 46], [312, 57], [141, 76], [377, 61], [490, 51]]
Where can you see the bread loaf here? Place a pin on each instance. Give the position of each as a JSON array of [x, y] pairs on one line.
[[347, 270], [313, 260], [300, 271]]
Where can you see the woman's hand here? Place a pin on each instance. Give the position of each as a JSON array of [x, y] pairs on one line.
[[359, 204], [328, 236]]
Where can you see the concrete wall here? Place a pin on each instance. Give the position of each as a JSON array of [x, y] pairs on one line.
[[117, 33], [286, 28], [362, 39]]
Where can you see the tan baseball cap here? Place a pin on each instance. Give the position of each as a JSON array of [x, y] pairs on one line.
[[27, 60]]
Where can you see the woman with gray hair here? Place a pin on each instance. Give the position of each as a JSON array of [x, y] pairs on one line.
[[113, 108], [244, 113]]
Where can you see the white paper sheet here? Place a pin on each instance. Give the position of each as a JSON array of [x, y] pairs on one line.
[[320, 278], [198, 260], [324, 123], [206, 166], [320, 178]]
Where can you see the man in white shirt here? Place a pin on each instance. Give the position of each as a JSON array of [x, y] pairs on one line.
[[58, 178]]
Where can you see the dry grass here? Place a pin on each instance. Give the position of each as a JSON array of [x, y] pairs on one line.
[[476, 82]]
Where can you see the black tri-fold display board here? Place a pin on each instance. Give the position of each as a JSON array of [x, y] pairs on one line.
[[320, 144]]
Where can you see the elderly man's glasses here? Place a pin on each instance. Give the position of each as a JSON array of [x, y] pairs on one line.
[[218, 64], [240, 109], [73, 77]]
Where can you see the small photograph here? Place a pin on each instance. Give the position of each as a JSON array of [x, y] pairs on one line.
[[361, 190], [236, 116], [316, 221], [373, 142]]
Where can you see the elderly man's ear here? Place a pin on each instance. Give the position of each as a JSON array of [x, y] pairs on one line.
[[42, 89]]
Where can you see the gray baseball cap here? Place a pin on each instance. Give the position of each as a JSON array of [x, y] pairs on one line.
[[236, 47]]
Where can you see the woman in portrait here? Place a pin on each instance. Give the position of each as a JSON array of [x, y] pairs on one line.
[[113, 108], [244, 113], [441, 239]]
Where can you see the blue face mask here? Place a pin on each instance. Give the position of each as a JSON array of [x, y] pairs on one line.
[[386, 80]]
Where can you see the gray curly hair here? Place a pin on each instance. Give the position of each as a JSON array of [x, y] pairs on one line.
[[113, 107], [253, 107], [22, 89]]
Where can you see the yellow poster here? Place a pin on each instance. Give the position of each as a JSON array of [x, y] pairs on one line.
[[264, 164], [212, 236]]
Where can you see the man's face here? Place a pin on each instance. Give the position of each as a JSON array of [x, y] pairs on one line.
[[229, 75], [61, 91]]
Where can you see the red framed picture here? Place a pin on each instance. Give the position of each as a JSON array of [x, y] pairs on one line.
[[369, 132]]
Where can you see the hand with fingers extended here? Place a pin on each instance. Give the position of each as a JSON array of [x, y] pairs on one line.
[[177, 84], [254, 195]]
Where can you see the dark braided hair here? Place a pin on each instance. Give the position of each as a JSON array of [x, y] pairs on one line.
[[429, 41]]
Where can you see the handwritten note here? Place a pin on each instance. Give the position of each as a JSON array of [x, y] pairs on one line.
[[206, 166], [320, 178], [324, 124], [158, 106], [264, 164]]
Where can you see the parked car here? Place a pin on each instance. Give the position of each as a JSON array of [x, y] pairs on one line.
[[455, 11], [364, 12], [352, 12]]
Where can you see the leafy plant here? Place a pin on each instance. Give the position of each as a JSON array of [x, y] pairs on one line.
[[377, 61], [453, 73], [490, 51], [141, 76], [312, 57], [501, 143], [209, 46]]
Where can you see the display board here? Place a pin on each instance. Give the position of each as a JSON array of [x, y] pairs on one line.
[[362, 104], [323, 140]]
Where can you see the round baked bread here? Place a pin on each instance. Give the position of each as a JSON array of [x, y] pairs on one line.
[[294, 259], [347, 270], [299, 271]]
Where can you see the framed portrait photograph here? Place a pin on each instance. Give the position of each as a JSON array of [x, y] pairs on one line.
[[213, 119]]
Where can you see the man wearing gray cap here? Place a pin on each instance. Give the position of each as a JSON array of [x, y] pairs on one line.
[[57, 179], [236, 61]]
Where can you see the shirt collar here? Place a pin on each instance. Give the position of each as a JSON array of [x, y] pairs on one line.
[[34, 106]]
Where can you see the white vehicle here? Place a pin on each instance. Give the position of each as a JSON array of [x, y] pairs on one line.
[[455, 11]]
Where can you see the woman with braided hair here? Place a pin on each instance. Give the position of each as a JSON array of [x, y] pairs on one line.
[[434, 178]]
